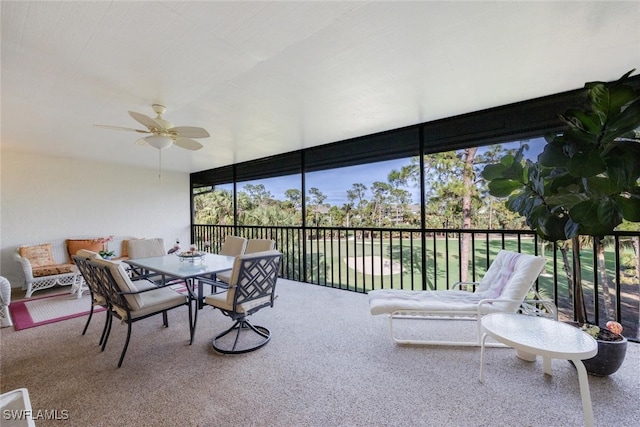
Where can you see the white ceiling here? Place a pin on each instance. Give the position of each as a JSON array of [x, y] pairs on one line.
[[269, 77]]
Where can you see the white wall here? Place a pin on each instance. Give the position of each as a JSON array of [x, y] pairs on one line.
[[48, 198]]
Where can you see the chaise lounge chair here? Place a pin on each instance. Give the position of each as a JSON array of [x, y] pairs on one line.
[[503, 288]]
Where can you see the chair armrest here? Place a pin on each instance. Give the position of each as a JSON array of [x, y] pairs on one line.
[[26, 266], [155, 286], [213, 282], [140, 291], [459, 285], [528, 307]]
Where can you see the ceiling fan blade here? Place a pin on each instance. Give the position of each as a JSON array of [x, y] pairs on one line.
[[187, 143], [146, 120], [190, 132], [122, 128]]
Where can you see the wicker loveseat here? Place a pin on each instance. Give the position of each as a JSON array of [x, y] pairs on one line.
[[48, 264]]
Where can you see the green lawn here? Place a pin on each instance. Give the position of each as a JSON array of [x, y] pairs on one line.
[[441, 269]]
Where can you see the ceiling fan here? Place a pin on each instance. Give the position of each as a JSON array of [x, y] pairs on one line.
[[163, 133]]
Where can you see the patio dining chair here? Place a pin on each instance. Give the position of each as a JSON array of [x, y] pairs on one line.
[[504, 288], [81, 258], [131, 301], [252, 246], [232, 246], [252, 288], [145, 248]]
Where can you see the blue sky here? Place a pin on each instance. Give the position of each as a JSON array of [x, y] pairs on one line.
[[335, 183]]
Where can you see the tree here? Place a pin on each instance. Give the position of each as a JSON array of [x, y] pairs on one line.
[[586, 181], [317, 199], [258, 194], [294, 195], [450, 189], [215, 207], [380, 192]]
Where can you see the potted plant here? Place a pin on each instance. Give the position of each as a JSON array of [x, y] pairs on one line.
[[585, 182], [105, 252]]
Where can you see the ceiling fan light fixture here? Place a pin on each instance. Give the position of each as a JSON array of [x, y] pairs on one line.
[[159, 141]]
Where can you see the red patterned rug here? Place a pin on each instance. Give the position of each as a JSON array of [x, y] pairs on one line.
[[32, 312]]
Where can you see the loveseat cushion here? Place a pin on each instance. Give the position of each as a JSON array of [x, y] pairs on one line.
[[49, 270], [38, 255], [74, 245]]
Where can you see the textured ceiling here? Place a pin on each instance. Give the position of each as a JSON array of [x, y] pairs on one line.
[[271, 77]]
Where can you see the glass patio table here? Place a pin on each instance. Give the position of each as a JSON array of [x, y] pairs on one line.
[[532, 335], [198, 270]]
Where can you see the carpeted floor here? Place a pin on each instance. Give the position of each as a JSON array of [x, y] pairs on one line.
[[329, 363]]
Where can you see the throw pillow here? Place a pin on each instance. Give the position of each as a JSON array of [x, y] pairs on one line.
[[74, 245], [38, 255]]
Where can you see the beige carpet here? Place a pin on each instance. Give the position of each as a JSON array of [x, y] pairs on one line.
[[329, 363]]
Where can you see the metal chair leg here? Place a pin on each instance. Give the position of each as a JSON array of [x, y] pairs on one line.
[[86, 326], [107, 329], [104, 329], [239, 326], [126, 344]]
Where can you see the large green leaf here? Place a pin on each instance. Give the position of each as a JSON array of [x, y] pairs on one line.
[[561, 182], [596, 217], [574, 136], [588, 121], [609, 214], [566, 200], [630, 207], [627, 121], [586, 163], [503, 187], [623, 165], [585, 211], [600, 186], [553, 155], [553, 228], [571, 228], [493, 171]]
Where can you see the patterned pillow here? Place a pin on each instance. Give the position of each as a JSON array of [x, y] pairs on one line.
[[38, 255]]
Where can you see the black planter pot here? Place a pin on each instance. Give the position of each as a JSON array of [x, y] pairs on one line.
[[610, 354], [609, 358]]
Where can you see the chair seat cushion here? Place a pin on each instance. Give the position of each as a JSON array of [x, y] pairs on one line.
[[224, 276], [219, 300], [386, 301], [155, 301], [49, 270]]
